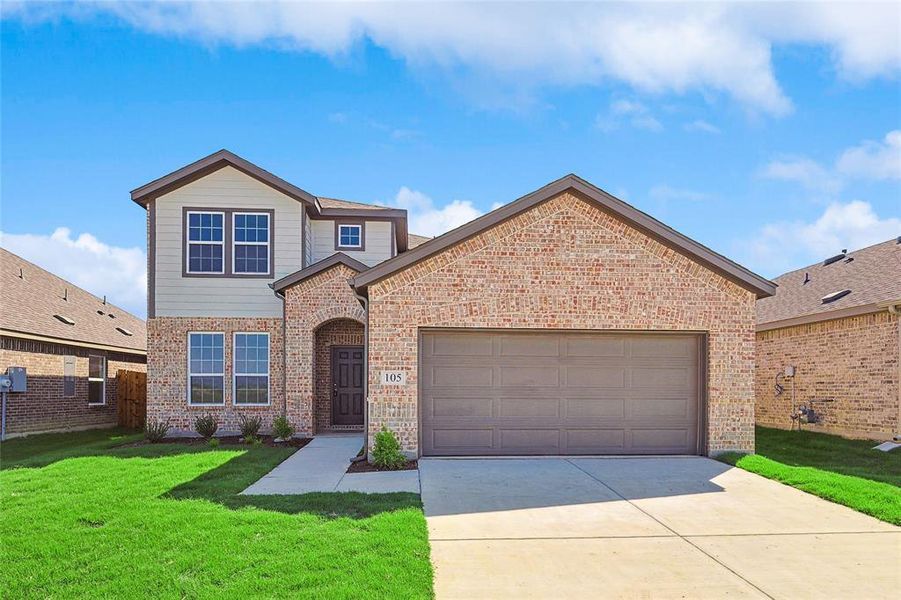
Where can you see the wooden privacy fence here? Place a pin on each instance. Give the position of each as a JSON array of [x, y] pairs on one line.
[[131, 394]]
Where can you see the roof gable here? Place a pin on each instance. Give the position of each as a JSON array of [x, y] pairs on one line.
[[209, 164], [339, 258], [604, 201]]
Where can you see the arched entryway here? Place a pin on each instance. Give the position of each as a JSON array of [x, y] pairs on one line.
[[338, 376]]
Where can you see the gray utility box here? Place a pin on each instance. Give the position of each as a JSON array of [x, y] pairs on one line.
[[18, 379]]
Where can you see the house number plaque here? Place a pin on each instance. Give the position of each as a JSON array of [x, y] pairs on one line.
[[394, 378]]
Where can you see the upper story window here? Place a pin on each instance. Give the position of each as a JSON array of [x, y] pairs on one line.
[[206, 242], [251, 243], [349, 236]]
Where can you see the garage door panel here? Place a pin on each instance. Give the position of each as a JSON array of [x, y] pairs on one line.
[[559, 393], [581, 408], [528, 345], [528, 407], [595, 377], [546, 441], [584, 346], [662, 347], [662, 377], [661, 408], [529, 376], [595, 441], [461, 377], [460, 345], [451, 441], [461, 407]]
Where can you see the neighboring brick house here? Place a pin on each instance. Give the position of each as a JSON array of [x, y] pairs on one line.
[[837, 324], [565, 322], [71, 343]]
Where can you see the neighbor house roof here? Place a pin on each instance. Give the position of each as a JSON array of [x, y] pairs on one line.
[[37, 304], [871, 275], [414, 240], [328, 208], [641, 221]]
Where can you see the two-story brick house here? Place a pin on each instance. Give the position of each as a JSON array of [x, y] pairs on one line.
[[565, 322]]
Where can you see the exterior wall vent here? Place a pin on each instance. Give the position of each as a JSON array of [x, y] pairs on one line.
[[835, 296], [64, 319]]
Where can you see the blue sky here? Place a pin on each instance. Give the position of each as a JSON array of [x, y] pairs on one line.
[[771, 133]]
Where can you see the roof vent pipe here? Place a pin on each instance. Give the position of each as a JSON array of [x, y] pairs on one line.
[[21, 273], [66, 294], [806, 278]]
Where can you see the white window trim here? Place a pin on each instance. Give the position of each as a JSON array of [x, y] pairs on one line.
[[190, 374], [235, 373], [359, 229], [188, 242], [236, 243], [101, 379]]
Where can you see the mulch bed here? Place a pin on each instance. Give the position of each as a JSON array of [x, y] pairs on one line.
[[231, 440], [365, 467]]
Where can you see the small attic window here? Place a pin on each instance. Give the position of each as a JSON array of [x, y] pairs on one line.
[[64, 319], [124, 331], [835, 296]]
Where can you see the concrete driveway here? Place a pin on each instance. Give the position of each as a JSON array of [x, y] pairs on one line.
[[644, 528]]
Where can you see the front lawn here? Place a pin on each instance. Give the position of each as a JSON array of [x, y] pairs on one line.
[[844, 471], [92, 519]]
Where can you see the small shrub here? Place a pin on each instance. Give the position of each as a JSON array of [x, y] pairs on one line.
[[282, 428], [257, 442], [251, 439], [213, 442], [386, 453], [206, 425], [249, 426], [155, 431]]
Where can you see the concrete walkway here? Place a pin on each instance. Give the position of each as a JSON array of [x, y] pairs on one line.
[[321, 466], [644, 528]]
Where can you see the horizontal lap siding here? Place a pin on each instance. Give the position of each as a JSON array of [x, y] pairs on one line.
[[378, 238], [178, 296]]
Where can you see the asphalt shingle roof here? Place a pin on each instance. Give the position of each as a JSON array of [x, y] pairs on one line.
[[873, 276], [31, 296]]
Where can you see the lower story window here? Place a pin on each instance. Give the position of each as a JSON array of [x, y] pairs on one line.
[[96, 380], [251, 368], [206, 368]]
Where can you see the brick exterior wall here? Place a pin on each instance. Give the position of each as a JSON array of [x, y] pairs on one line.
[[340, 332], [853, 361], [44, 407], [322, 298], [167, 371], [564, 264]]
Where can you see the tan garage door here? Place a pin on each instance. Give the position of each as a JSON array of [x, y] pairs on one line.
[[485, 392]]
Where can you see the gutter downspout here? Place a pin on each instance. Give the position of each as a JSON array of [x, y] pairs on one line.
[[365, 302]]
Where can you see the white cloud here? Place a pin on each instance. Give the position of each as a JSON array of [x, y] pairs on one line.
[[873, 160], [118, 273], [338, 118], [627, 111], [653, 48], [805, 171], [786, 245], [424, 218], [665, 192], [701, 126]]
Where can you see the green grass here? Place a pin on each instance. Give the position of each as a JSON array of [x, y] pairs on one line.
[[89, 519], [844, 471]]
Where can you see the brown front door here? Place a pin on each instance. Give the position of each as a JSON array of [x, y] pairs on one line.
[[347, 385]]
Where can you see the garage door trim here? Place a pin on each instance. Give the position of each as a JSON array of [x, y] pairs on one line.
[[702, 345]]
